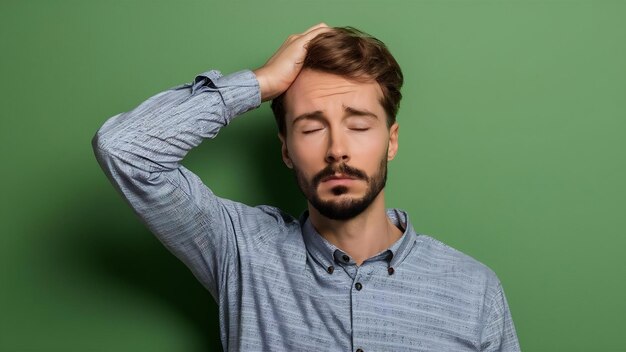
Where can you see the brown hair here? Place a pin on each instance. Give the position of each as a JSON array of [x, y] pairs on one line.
[[351, 53]]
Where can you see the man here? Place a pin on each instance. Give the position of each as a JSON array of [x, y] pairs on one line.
[[348, 275]]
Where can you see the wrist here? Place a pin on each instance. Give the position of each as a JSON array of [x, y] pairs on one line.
[[263, 86]]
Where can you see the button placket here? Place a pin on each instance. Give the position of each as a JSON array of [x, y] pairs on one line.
[[354, 301], [361, 278]]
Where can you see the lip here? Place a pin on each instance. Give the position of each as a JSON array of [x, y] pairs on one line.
[[338, 178]]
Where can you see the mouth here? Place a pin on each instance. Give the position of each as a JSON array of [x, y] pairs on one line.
[[338, 177]]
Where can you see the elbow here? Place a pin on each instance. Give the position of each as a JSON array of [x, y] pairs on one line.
[[103, 140], [98, 146], [105, 135], [98, 142]]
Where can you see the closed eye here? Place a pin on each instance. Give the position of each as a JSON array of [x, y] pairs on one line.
[[311, 131]]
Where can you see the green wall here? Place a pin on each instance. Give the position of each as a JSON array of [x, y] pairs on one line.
[[512, 149]]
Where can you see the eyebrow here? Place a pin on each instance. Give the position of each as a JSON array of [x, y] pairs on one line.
[[355, 112], [318, 115], [315, 115]]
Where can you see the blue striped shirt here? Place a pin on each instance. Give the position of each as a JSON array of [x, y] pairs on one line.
[[279, 285]]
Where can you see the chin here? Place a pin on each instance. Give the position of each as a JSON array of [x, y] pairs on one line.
[[340, 200]]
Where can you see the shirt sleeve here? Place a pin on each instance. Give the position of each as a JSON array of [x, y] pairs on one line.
[[140, 152], [499, 334]]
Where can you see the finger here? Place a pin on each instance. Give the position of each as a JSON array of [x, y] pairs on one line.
[[319, 25], [313, 29], [314, 33]]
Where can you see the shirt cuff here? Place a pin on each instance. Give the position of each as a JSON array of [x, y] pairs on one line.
[[240, 91]]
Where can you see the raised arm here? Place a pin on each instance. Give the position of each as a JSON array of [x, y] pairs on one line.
[[140, 152]]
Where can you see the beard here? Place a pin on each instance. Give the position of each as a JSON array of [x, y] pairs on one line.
[[346, 208]]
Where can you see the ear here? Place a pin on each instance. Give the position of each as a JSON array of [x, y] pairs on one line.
[[392, 150], [284, 151]]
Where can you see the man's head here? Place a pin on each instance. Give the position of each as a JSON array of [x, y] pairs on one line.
[[350, 53], [337, 121]]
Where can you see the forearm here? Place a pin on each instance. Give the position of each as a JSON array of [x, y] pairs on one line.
[[157, 134]]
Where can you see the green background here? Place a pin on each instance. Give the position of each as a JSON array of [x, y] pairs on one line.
[[512, 149]]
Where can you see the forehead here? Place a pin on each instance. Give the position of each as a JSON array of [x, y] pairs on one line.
[[320, 91]]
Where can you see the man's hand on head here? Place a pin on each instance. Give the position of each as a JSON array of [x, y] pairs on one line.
[[283, 67]]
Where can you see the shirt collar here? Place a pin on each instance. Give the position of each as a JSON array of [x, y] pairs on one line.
[[328, 255]]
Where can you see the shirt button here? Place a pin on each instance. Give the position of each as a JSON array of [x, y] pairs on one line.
[[345, 258], [390, 270], [358, 286], [330, 269], [359, 350]]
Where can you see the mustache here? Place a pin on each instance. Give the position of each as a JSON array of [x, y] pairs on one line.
[[344, 169]]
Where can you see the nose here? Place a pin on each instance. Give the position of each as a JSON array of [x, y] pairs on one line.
[[337, 150]]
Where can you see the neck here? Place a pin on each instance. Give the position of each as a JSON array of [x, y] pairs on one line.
[[362, 236]]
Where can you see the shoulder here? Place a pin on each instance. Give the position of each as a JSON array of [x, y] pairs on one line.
[[451, 263], [257, 216], [261, 224], [266, 235]]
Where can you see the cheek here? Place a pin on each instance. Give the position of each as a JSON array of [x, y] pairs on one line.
[[307, 148], [369, 154], [305, 157], [370, 145]]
